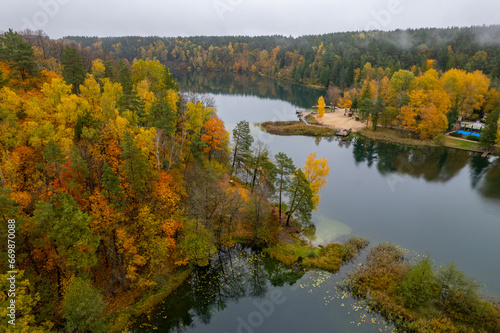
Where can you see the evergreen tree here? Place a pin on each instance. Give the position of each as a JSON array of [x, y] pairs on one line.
[[129, 100], [242, 142], [3, 81], [366, 107], [18, 54], [73, 70], [61, 225], [136, 165], [489, 133], [301, 198], [284, 168], [109, 71], [162, 116], [54, 159], [112, 189]]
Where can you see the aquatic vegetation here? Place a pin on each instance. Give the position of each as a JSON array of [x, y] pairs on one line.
[[328, 258], [417, 298]]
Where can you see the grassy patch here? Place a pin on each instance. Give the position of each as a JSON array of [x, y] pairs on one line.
[[295, 128], [311, 119], [289, 254], [393, 136], [462, 144], [328, 258]]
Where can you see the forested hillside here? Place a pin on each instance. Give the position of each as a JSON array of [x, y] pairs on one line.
[[94, 173], [318, 59]]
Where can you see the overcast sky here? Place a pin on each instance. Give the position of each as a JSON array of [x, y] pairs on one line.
[[238, 17]]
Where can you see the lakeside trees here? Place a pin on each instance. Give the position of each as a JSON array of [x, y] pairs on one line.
[[116, 180], [358, 68], [335, 59]]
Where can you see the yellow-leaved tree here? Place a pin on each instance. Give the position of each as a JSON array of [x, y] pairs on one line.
[[321, 107], [466, 90], [345, 102], [316, 171]]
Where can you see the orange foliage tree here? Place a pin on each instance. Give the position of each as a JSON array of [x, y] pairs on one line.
[[215, 136]]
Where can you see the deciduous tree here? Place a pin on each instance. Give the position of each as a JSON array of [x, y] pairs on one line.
[[215, 136], [316, 171], [321, 107]]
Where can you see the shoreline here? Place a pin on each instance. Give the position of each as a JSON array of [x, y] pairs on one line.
[[290, 250]]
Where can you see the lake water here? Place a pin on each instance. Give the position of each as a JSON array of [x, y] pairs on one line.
[[429, 200]]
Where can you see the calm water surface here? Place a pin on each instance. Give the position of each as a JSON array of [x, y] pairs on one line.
[[430, 200]]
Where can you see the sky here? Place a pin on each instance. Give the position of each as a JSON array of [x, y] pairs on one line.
[[102, 18]]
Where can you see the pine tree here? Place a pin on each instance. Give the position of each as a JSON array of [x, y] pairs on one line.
[[301, 198], [285, 168], [19, 55], [112, 189], [54, 159], [242, 142], [74, 70], [489, 133], [162, 116], [136, 165], [129, 100]]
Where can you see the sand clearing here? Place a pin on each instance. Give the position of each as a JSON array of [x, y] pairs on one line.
[[339, 121]]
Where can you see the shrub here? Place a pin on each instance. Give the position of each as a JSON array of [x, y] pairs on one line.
[[312, 254], [418, 287], [83, 307], [472, 138], [455, 134]]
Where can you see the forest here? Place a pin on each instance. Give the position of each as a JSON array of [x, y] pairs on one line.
[[422, 81], [117, 180], [94, 171], [329, 59]]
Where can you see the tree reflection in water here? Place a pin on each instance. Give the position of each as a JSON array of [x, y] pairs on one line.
[[434, 164], [233, 274]]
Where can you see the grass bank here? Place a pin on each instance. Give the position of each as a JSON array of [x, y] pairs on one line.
[[148, 300], [463, 144], [418, 298], [393, 136], [295, 128], [311, 119], [328, 258]]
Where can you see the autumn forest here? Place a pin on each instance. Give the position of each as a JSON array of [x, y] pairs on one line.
[[116, 178]]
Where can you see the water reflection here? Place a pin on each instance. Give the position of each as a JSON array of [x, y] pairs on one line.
[[247, 85], [233, 274], [434, 164], [490, 182]]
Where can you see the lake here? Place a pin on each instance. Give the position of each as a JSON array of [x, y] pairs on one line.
[[429, 200]]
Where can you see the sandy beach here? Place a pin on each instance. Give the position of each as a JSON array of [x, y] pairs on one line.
[[339, 121]]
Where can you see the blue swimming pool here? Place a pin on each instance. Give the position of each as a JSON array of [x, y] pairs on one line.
[[469, 133]]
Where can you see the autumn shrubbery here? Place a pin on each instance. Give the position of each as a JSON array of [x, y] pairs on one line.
[[417, 298]]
